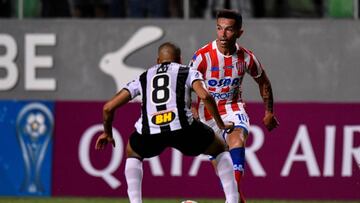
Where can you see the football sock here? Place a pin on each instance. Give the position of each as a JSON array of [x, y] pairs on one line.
[[238, 158], [238, 176], [225, 173], [133, 175]]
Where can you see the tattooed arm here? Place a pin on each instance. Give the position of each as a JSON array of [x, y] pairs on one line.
[[269, 119]]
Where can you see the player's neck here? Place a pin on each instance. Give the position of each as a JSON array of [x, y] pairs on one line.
[[227, 51]]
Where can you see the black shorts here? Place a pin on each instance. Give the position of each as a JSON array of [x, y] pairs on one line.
[[191, 141]]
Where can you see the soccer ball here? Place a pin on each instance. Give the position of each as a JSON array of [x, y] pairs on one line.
[[189, 201]]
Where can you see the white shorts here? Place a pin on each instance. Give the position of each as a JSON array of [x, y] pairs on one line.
[[240, 119]]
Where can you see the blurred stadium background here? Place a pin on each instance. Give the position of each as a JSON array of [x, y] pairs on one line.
[[61, 60]]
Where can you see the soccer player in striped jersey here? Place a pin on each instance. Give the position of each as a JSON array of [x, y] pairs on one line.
[[166, 121], [223, 64]]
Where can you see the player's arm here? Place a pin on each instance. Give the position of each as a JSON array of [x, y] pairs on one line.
[[266, 93], [210, 104], [121, 98], [196, 63]]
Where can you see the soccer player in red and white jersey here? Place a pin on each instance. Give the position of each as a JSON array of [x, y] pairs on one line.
[[223, 64]]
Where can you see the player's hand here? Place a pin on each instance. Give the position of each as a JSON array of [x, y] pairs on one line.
[[195, 114], [229, 127], [270, 121], [103, 140]]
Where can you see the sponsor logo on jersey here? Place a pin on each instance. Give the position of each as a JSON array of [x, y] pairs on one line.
[[228, 67], [214, 68], [224, 95], [223, 82], [163, 118]]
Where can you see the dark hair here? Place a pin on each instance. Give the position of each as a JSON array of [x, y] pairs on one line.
[[171, 45], [175, 51], [230, 14]]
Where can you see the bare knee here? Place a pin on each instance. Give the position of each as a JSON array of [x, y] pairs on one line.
[[237, 138]]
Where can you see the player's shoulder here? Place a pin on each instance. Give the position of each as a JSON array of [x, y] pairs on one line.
[[152, 68], [178, 65], [205, 48], [242, 49], [177, 68]]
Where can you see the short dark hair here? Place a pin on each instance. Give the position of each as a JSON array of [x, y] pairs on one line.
[[171, 51], [230, 14], [174, 47]]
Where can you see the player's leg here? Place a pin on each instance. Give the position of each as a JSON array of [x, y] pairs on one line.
[[133, 175], [224, 169], [236, 141], [138, 148], [222, 136], [218, 132], [205, 142]]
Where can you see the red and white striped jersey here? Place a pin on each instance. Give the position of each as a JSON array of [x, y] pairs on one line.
[[223, 76]]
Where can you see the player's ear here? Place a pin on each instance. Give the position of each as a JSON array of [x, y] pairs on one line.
[[240, 32]]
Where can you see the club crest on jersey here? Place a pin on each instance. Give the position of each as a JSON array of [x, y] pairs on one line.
[[240, 66], [197, 75], [163, 118], [130, 82]]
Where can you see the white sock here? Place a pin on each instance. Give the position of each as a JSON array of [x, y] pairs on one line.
[[226, 175], [133, 175]]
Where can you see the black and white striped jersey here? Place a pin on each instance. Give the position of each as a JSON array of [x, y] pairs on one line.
[[165, 90]]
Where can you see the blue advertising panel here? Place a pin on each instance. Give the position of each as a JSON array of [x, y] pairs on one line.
[[26, 134]]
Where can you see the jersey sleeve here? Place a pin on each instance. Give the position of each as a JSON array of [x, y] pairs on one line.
[[193, 76], [254, 67], [197, 62], [133, 87]]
